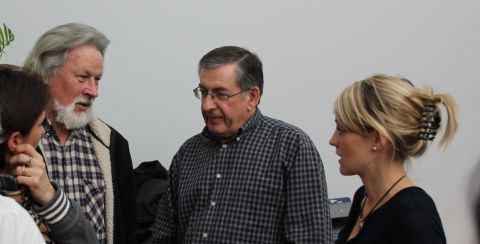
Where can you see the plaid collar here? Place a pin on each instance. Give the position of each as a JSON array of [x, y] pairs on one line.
[[247, 127], [50, 131]]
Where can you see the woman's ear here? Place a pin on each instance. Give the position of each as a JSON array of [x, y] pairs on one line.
[[14, 140], [379, 140]]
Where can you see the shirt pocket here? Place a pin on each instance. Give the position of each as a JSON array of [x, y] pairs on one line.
[[93, 203]]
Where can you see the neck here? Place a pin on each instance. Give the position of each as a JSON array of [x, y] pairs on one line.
[[377, 183], [245, 121], [60, 129]]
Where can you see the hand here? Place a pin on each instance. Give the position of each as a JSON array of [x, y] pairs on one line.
[[30, 171]]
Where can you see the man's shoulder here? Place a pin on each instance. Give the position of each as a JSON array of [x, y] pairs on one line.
[[99, 124], [284, 128], [194, 140], [103, 130]]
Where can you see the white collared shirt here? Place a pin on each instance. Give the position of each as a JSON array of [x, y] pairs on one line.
[[16, 225]]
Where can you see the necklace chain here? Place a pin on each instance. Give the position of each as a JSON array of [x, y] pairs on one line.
[[362, 219]]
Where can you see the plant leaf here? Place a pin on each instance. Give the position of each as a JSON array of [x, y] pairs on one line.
[[6, 37]]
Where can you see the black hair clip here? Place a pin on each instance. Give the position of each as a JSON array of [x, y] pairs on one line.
[[429, 123]]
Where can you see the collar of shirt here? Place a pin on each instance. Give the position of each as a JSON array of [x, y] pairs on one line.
[[245, 129], [50, 132], [8, 183]]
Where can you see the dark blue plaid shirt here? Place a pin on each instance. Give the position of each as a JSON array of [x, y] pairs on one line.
[[74, 166], [266, 185]]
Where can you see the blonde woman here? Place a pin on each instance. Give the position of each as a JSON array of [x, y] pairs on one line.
[[382, 121]]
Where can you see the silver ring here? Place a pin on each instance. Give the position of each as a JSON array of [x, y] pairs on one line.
[[29, 160]]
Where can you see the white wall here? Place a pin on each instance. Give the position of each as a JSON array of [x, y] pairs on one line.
[[311, 50]]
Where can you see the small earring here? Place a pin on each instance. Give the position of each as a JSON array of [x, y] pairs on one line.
[[374, 148]]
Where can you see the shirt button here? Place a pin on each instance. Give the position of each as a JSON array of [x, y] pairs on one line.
[[238, 138], [212, 204], [224, 146], [219, 176], [205, 235]]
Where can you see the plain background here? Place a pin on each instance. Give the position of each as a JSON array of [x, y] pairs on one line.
[[311, 50]]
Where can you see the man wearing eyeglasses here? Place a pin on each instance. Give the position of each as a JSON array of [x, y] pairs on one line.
[[246, 178]]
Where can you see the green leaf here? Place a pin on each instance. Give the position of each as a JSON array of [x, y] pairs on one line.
[[6, 37], [2, 38]]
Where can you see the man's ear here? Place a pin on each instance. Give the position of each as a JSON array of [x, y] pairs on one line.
[[14, 140], [253, 98]]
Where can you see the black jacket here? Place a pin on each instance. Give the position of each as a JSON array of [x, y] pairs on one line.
[[113, 155]]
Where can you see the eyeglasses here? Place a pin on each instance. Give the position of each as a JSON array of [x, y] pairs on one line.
[[202, 93]]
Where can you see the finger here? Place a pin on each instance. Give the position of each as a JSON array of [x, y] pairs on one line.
[[22, 171], [28, 160], [20, 159], [24, 159], [27, 149], [40, 187], [25, 171], [29, 178]]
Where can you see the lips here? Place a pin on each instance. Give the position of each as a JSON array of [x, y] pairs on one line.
[[214, 119], [84, 104], [340, 157]]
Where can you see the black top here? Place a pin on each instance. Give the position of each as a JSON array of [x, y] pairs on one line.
[[408, 217]]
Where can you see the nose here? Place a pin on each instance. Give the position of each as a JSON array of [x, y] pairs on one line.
[[334, 140], [91, 88], [208, 103]]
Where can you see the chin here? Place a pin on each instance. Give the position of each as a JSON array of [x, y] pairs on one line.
[[71, 117], [75, 120], [215, 132], [346, 172], [219, 133], [215, 128]]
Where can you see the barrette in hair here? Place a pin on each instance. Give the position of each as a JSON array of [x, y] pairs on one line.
[[429, 123]]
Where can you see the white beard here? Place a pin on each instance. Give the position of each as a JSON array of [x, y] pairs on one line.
[[66, 114]]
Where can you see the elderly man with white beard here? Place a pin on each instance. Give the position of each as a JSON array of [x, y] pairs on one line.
[[83, 154]]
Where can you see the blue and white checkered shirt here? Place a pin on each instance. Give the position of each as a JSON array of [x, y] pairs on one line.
[[266, 185], [74, 167]]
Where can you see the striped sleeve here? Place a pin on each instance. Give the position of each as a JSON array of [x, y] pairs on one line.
[[56, 209]]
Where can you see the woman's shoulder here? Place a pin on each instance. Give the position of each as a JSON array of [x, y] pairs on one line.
[[418, 218], [414, 204], [414, 197]]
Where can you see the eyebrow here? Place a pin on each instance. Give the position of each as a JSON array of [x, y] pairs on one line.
[[83, 71], [216, 89]]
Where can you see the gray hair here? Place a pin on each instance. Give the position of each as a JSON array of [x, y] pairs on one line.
[[249, 69], [52, 48]]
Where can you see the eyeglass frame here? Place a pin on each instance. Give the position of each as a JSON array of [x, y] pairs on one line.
[[215, 95]]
